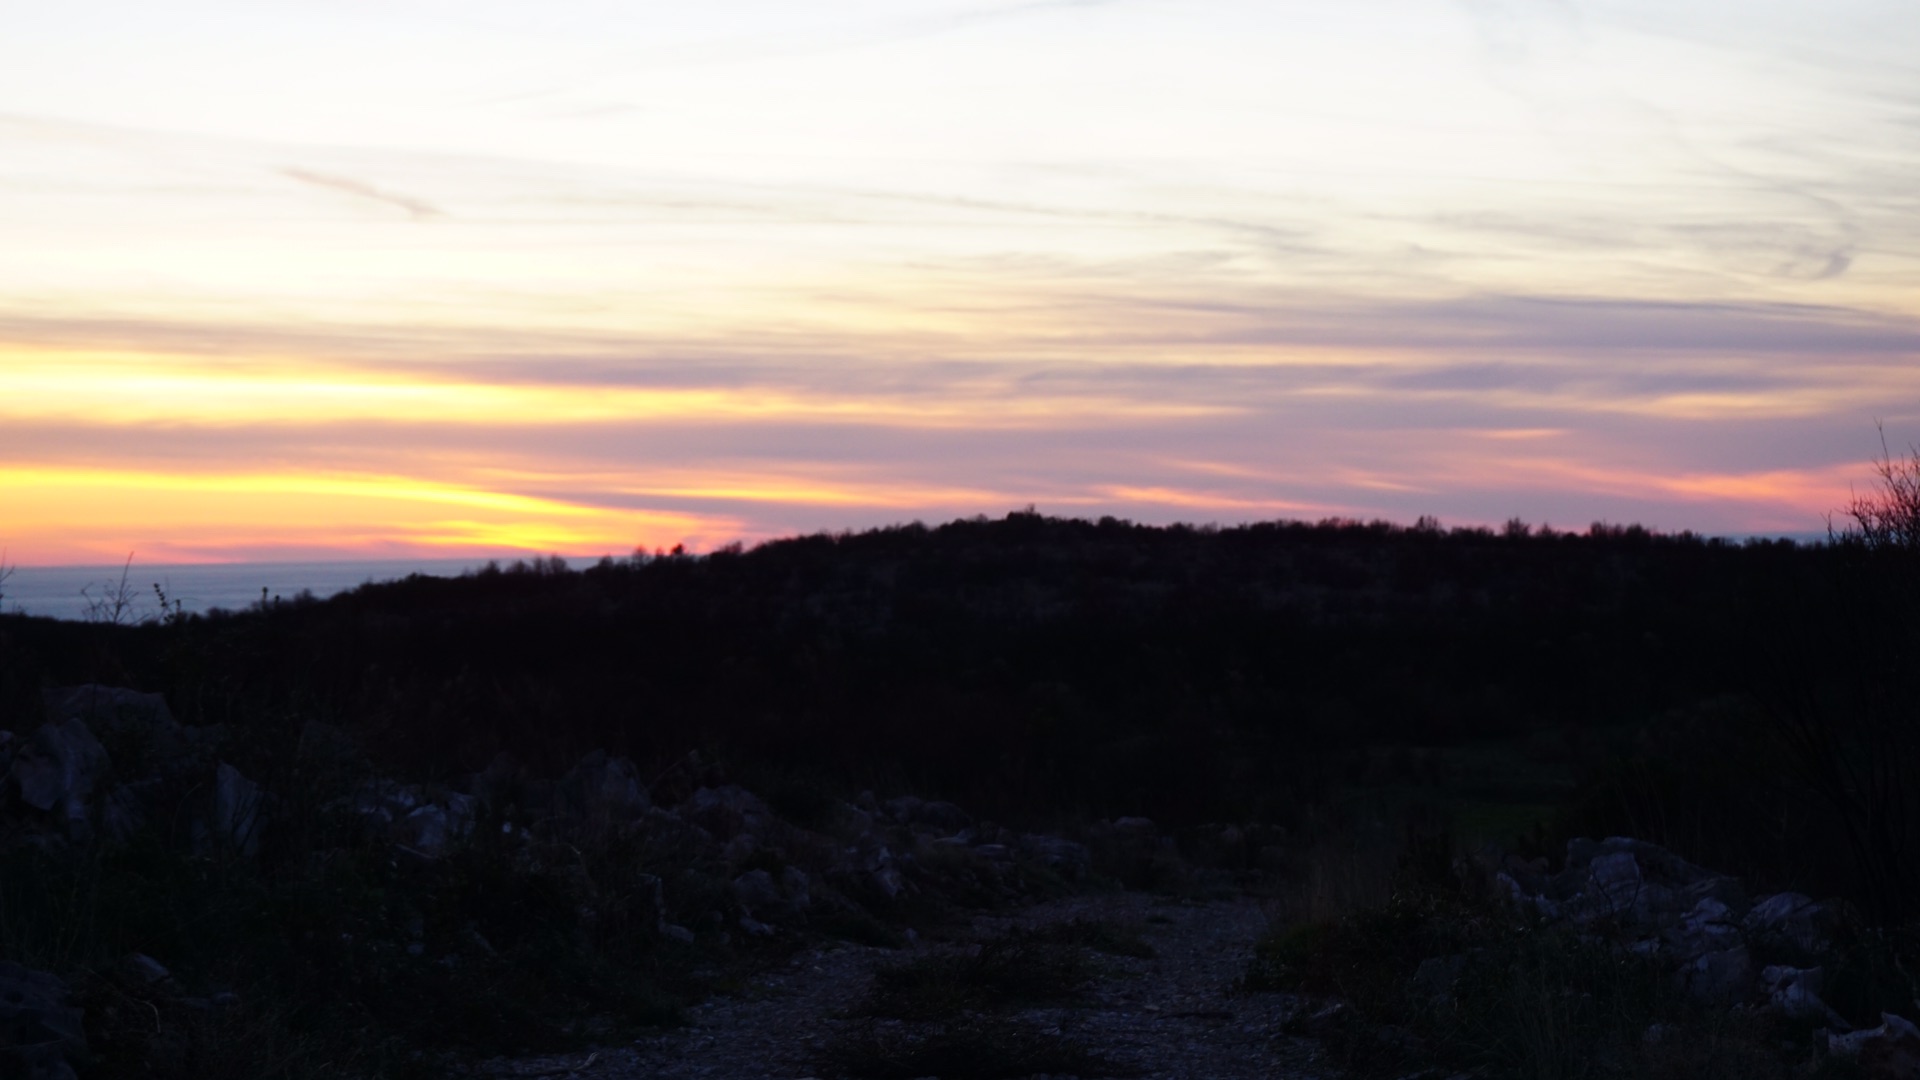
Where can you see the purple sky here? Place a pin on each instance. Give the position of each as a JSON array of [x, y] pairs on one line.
[[417, 277]]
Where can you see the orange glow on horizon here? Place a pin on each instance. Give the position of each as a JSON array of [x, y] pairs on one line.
[[277, 454], [1814, 491], [66, 516]]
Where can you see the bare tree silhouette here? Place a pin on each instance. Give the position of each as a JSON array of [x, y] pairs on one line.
[[1889, 519], [1844, 700], [117, 602]]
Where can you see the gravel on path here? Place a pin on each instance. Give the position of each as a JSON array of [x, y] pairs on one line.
[[1177, 1016]]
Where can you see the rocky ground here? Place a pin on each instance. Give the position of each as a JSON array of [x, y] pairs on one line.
[[621, 886], [690, 880], [1176, 1014]]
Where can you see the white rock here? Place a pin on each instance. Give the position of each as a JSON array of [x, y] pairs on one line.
[[1888, 1052], [58, 767], [237, 810], [1796, 993]]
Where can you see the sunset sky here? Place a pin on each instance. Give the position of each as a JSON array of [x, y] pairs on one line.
[[435, 277]]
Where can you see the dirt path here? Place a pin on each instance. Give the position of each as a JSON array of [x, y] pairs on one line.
[[1173, 1016]]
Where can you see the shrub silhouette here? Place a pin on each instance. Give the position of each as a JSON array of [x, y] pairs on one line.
[[1849, 715], [1889, 519]]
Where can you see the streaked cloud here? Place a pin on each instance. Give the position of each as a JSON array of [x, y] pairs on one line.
[[601, 276], [419, 209]]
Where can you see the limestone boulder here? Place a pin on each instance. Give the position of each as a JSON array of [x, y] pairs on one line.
[[145, 969], [1642, 891], [110, 708], [427, 829], [1792, 924], [128, 808], [601, 792], [145, 738], [943, 818], [776, 901], [378, 804], [1888, 1052], [239, 811], [1709, 926], [500, 783], [1719, 978], [1795, 994], [1699, 926], [433, 827], [57, 770], [41, 1033], [728, 811], [1065, 857]]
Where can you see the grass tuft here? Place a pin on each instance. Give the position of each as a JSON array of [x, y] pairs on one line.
[[1048, 965], [1099, 935], [974, 1048]]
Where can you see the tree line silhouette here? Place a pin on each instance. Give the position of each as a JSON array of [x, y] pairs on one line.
[[1048, 670]]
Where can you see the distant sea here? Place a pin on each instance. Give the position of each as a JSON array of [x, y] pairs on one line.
[[67, 592]]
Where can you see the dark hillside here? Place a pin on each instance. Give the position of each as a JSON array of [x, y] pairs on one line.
[[306, 857], [1029, 666]]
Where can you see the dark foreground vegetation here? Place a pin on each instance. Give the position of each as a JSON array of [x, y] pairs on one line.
[[1340, 713]]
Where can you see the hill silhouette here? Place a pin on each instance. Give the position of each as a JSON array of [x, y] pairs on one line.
[[536, 805], [1029, 666]]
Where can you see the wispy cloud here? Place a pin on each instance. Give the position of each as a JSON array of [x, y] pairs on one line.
[[418, 209], [755, 267]]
